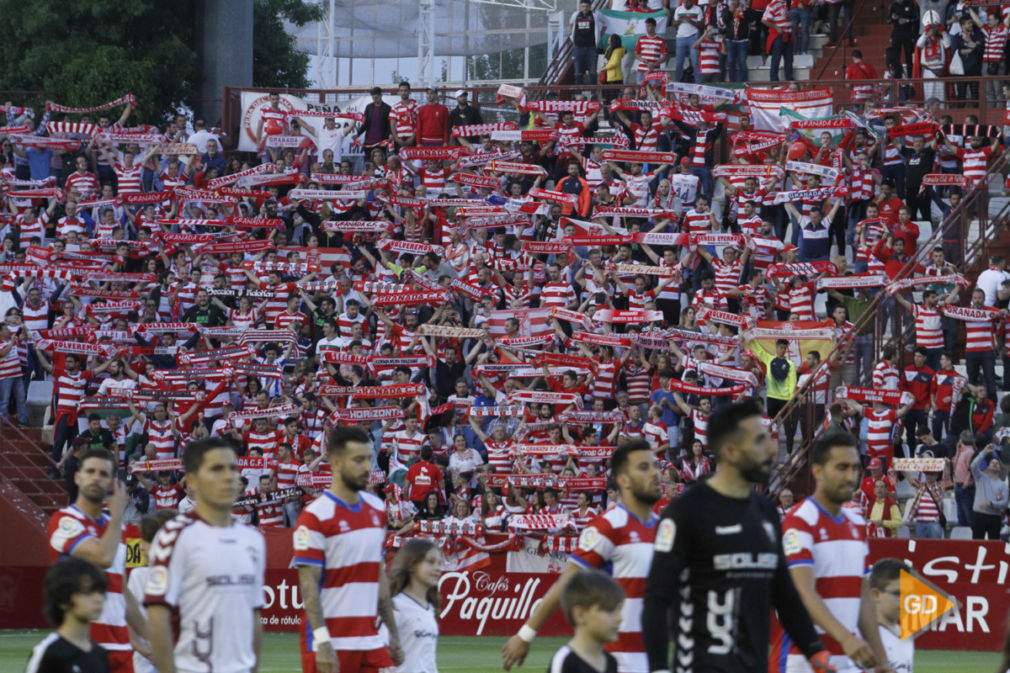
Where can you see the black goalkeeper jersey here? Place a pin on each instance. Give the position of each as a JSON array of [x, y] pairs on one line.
[[717, 572]]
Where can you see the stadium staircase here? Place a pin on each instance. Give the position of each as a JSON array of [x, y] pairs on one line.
[[27, 497], [24, 473], [560, 70], [871, 34], [981, 237]]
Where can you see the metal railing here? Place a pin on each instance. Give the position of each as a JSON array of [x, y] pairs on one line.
[[955, 234], [561, 63], [889, 92]]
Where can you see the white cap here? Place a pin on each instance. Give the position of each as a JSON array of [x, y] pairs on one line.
[[459, 92]]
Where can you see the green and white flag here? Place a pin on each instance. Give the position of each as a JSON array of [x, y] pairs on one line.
[[629, 25], [812, 128]]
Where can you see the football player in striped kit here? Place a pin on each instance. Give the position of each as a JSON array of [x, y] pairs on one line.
[[825, 546], [620, 537]]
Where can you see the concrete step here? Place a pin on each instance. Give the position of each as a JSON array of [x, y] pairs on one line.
[[27, 458], [799, 61], [764, 73]]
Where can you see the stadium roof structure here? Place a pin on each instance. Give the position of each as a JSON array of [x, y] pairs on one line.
[[426, 29]]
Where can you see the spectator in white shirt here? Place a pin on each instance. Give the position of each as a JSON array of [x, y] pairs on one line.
[[991, 280], [201, 135]]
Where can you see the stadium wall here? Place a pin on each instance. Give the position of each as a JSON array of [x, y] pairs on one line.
[[496, 599]]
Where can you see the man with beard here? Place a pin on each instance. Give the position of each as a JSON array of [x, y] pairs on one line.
[[83, 530], [718, 565], [825, 546], [622, 538], [338, 547]]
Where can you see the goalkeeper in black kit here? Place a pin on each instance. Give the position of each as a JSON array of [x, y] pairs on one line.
[[718, 567]]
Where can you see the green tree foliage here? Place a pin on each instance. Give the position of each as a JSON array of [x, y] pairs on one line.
[[276, 61], [88, 52]]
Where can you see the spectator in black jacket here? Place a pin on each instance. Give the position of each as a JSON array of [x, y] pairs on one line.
[[737, 40], [464, 114], [376, 125], [919, 161], [96, 436], [904, 19], [204, 313], [165, 360], [969, 43]]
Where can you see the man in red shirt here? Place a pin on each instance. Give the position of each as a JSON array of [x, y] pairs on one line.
[[859, 69], [891, 251], [906, 229], [876, 468], [422, 478], [432, 126], [568, 382], [887, 203]]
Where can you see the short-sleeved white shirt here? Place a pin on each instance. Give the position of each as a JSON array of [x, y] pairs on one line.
[[418, 628], [214, 577]]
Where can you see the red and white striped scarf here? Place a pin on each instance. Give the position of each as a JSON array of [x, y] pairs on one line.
[[639, 156], [968, 313], [410, 298], [578, 107], [468, 130], [282, 411], [73, 128], [268, 335], [229, 179], [122, 100]]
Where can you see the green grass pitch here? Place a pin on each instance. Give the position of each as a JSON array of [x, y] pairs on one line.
[[476, 655]]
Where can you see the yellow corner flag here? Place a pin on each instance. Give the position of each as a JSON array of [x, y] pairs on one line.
[[922, 603]]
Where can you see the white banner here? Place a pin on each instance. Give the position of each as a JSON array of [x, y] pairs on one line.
[[253, 102]]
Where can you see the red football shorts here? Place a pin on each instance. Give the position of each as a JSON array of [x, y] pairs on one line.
[[352, 661]]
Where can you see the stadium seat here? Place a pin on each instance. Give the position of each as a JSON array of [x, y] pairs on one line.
[[960, 533], [925, 232], [39, 399], [821, 305]]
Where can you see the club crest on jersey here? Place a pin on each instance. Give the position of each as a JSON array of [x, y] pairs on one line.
[[665, 534], [301, 538], [157, 581], [588, 538], [70, 526], [791, 542], [344, 527]]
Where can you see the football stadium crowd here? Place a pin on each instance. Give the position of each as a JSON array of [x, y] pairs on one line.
[[503, 303]]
